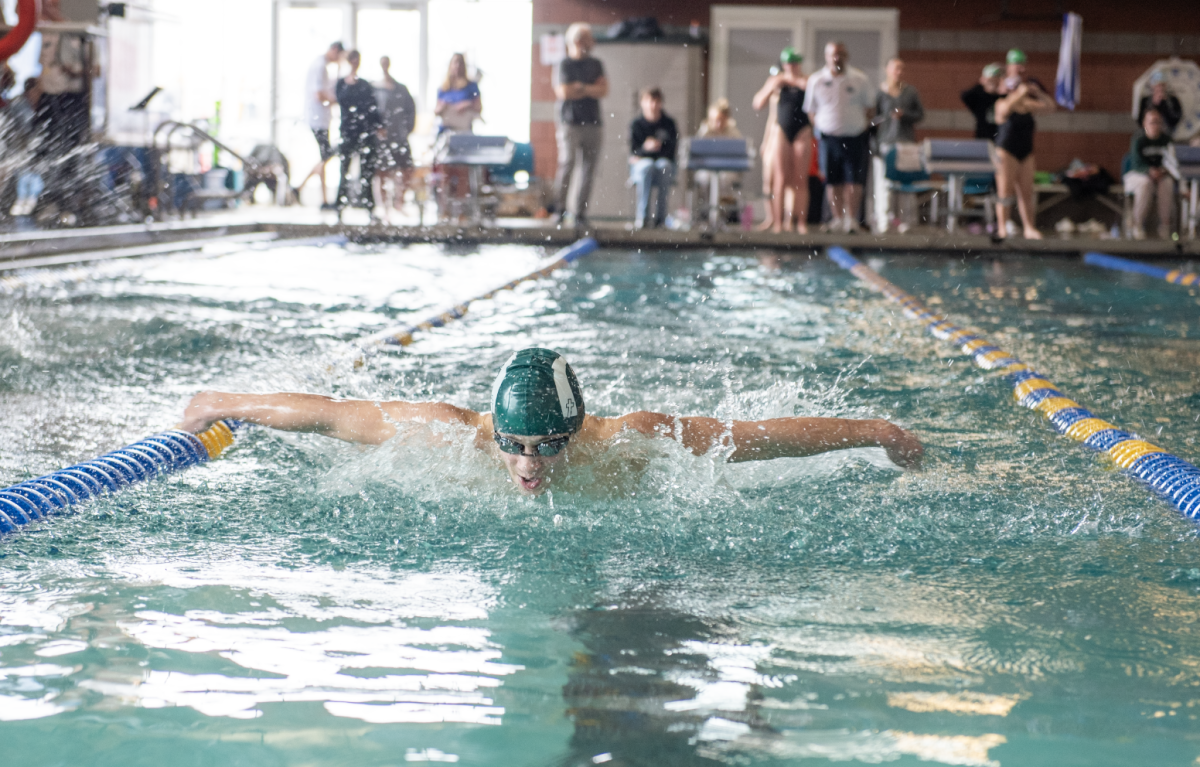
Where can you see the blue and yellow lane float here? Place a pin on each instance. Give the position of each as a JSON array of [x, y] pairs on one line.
[[403, 336], [1105, 261], [174, 450], [1174, 478], [155, 456]]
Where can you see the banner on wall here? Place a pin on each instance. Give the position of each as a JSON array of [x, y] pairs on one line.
[[1066, 83]]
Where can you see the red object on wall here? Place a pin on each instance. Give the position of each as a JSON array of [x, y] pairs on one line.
[[27, 13]]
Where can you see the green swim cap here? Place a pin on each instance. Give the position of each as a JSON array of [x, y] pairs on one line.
[[789, 56], [993, 70], [537, 394], [1015, 56]]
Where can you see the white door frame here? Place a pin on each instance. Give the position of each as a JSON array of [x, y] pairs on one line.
[[804, 23]]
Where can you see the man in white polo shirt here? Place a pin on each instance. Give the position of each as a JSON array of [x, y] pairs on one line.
[[840, 103]]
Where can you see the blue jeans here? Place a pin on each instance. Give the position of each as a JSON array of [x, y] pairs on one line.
[[648, 174], [29, 185]]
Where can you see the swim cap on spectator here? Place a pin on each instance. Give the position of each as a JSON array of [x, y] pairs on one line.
[[1015, 56], [1157, 78], [789, 55], [993, 70], [536, 394]]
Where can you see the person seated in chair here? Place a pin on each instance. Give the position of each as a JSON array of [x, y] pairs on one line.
[[653, 139], [1147, 180], [719, 124], [1163, 101]]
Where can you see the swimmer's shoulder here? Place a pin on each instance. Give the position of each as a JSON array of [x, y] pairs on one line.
[[599, 428]]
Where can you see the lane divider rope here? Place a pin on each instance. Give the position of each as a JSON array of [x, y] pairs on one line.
[[1174, 478], [154, 456], [403, 336], [1105, 261]]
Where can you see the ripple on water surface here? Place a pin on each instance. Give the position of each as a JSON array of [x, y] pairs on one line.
[[303, 601]]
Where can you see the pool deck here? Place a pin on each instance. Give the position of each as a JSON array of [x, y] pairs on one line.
[[68, 246]]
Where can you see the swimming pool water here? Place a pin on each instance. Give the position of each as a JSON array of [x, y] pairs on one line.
[[305, 602]]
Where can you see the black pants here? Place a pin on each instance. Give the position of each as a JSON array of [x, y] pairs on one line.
[[367, 149], [65, 126]]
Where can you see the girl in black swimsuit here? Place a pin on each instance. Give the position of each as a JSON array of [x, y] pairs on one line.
[[1014, 155], [787, 147]]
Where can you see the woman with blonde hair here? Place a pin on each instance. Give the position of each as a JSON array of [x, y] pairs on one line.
[[458, 106], [459, 103]]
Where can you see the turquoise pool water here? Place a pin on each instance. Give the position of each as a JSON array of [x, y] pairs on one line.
[[304, 602]]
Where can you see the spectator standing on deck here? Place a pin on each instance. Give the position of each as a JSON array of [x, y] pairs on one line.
[[981, 100], [319, 97], [69, 64], [399, 114], [22, 137], [898, 109], [1147, 179], [1161, 100], [788, 151], [653, 139], [459, 103], [1015, 162], [581, 84], [361, 128], [840, 102]]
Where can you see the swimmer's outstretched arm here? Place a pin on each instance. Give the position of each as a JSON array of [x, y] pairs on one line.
[[364, 421], [777, 437]]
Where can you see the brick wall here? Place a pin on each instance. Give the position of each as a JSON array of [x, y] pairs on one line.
[[945, 44]]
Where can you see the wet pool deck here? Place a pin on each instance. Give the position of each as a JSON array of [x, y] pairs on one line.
[[59, 247]]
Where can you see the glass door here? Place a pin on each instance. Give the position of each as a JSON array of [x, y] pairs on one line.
[[305, 33]]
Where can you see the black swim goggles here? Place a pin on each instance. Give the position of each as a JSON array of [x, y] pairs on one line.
[[545, 449]]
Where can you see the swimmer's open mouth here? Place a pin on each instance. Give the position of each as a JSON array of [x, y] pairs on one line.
[[530, 483]]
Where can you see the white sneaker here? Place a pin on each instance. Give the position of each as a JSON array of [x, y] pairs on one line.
[[1139, 233], [852, 226], [834, 225]]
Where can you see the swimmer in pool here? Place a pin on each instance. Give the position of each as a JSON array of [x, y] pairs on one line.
[[538, 418]]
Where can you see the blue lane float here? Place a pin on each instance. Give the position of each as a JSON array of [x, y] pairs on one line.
[[157, 455], [403, 336], [1105, 261], [1172, 477]]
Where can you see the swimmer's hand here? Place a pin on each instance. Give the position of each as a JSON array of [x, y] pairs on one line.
[[202, 412], [903, 447]]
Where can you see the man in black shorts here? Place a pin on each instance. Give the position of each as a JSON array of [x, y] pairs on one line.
[[319, 98], [840, 102]]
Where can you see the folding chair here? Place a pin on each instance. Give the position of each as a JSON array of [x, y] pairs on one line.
[[716, 156]]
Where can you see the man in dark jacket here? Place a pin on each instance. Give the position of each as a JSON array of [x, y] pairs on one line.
[[1162, 101], [981, 99], [360, 129], [653, 139]]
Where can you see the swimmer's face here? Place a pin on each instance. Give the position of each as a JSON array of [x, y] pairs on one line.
[[530, 471]]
